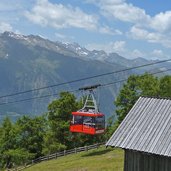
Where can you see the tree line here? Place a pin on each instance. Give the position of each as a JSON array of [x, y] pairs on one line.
[[146, 85], [32, 137]]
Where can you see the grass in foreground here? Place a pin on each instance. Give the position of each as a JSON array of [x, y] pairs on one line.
[[101, 159]]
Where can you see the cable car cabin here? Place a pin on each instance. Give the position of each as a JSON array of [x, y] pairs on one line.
[[88, 120], [87, 123]]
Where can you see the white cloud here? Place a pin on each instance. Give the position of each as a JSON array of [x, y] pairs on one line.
[[117, 46], [126, 12], [137, 53], [59, 16], [5, 27], [64, 38], [159, 54], [60, 36], [151, 37], [121, 48], [142, 34], [110, 31], [153, 29], [138, 33], [162, 22], [123, 11]]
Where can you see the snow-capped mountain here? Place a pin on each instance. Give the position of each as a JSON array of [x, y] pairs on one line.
[[29, 62]]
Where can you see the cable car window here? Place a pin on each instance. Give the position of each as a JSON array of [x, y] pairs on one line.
[[100, 122], [77, 119], [88, 120]]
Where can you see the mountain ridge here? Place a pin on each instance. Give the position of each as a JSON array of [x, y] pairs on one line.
[[75, 49], [29, 62]]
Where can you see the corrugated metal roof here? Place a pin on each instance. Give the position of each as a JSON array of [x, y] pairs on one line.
[[146, 128]]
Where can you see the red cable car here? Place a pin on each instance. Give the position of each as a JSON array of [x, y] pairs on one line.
[[88, 120]]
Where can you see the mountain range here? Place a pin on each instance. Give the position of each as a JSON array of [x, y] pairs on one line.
[[30, 62]]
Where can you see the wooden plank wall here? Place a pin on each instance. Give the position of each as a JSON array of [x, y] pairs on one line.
[[138, 161]]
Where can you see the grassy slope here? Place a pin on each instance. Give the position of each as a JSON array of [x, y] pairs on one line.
[[101, 159]]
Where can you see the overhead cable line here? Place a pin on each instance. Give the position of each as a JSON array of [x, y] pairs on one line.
[[35, 98], [71, 91], [83, 79], [157, 72]]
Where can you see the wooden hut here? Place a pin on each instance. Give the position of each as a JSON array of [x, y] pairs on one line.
[[145, 135]]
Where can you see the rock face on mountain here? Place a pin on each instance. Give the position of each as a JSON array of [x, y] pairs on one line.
[[30, 62]]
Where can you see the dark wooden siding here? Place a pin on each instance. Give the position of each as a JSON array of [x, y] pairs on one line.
[[137, 161]]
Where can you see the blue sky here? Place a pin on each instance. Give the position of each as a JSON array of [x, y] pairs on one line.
[[131, 28]]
